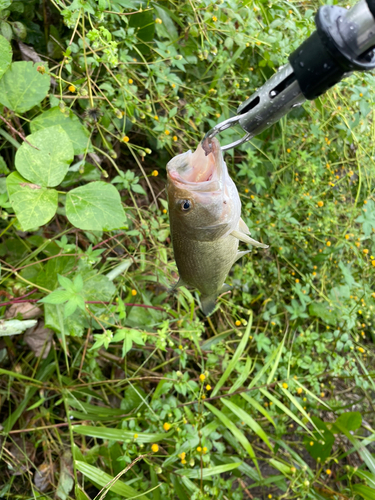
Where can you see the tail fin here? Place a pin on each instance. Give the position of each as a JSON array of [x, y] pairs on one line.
[[208, 304]]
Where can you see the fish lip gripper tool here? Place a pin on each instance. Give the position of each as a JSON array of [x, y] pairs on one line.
[[344, 41]]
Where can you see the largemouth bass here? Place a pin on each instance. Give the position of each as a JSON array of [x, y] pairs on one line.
[[205, 221]]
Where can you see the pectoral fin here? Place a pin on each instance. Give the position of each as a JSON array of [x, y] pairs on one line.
[[243, 227], [246, 239], [225, 287], [240, 254], [174, 287]]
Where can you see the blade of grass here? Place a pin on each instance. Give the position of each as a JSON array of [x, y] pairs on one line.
[[258, 407], [119, 434], [236, 356], [235, 432], [284, 408], [265, 368], [100, 478], [294, 401], [243, 376], [254, 426], [204, 473]]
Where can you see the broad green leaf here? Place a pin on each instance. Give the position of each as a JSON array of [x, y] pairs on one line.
[[236, 356], [167, 28], [77, 133], [119, 434], [14, 326], [243, 415], [22, 87], [351, 421], [320, 445], [48, 164], [5, 55], [365, 491], [34, 205], [240, 437], [204, 473], [145, 28], [100, 478], [95, 206], [283, 408], [258, 407], [56, 297], [322, 311]]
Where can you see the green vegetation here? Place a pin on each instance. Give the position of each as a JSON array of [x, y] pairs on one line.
[[107, 381]]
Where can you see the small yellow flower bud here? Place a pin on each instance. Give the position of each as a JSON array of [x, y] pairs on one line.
[[208, 387], [72, 88], [167, 426], [285, 385], [125, 139], [199, 449], [130, 81], [155, 448], [175, 138], [155, 173], [135, 436], [202, 377], [134, 292]]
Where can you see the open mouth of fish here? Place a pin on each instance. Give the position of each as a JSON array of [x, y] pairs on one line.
[[201, 167]]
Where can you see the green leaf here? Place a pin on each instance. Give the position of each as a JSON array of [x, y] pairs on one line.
[[119, 434], [236, 356], [204, 473], [14, 326], [34, 205], [98, 477], [235, 431], [48, 164], [258, 407], [243, 415], [22, 87], [322, 441], [365, 491], [243, 376], [71, 124], [321, 311], [56, 297], [95, 206], [351, 421], [5, 55]]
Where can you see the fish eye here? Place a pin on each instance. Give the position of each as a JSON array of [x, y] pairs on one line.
[[186, 205]]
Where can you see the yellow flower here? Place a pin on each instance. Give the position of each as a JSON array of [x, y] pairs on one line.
[[322, 394], [155, 448], [293, 470], [347, 236], [285, 385], [135, 436], [360, 349], [238, 323], [130, 81], [166, 426], [246, 190], [365, 250], [175, 138], [173, 85], [214, 18], [208, 387], [125, 139], [320, 203], [166, 132], [373, 262], [182, 455], [180, 346], [297, 280], [158, 21], [202, 377], [183, 461], [165, 211], [155, 173], [134, 292], [72, 88], [360, 95], [199, 449], [288, 150], [205, 449], [156, 117], [299, 390], [329, 472], [328, 243], [311, 443]]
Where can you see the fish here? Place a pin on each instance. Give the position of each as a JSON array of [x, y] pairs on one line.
[[205, 221]]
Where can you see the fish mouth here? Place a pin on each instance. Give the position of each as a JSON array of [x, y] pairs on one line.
[[199, 168]]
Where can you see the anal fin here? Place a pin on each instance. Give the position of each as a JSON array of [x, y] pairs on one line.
[[240, 255], [174, 287], [243, 227]]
